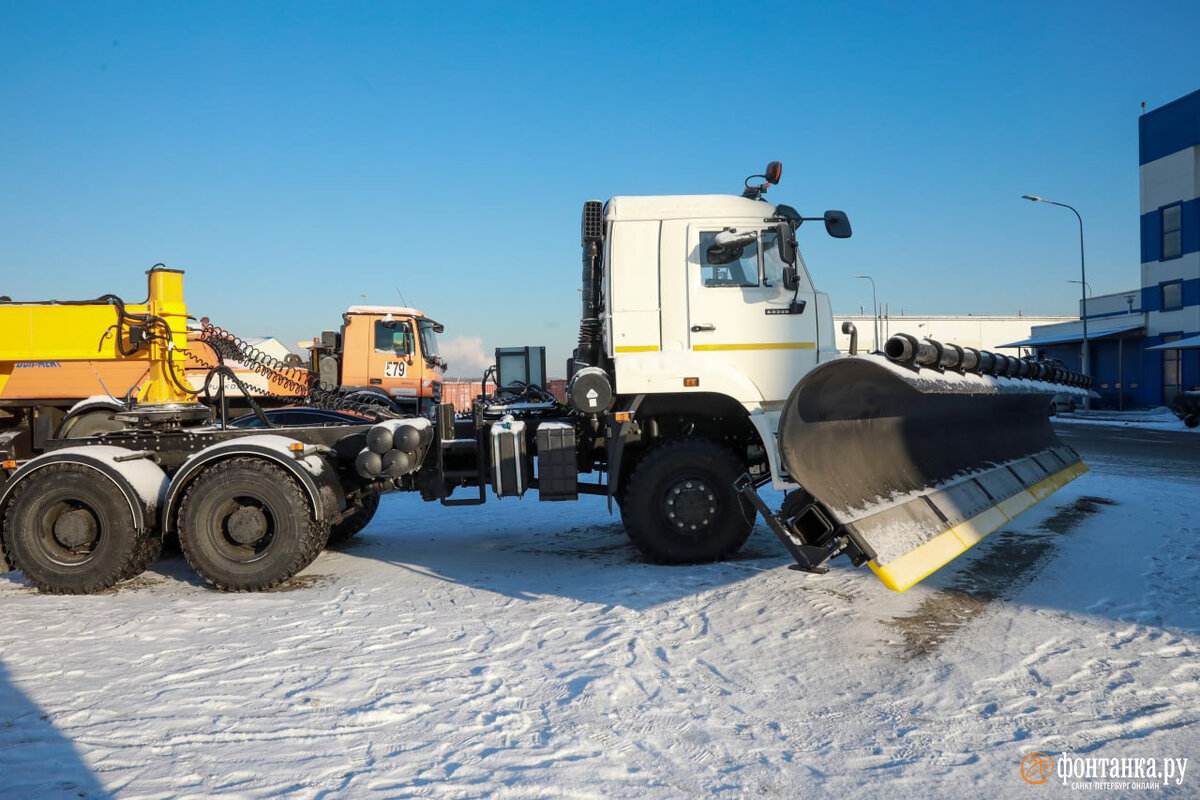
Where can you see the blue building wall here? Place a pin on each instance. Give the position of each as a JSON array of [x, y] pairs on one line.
[[1152, 392], [1152, 295], [1152, 231], [1168, 138], [1124, 372], [1169, 129]]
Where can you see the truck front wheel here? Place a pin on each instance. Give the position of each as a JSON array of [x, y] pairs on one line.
[[680, 505], [246, 525]]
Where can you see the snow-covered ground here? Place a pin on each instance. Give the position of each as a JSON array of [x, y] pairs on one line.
[[524, 650], [1161, 418]]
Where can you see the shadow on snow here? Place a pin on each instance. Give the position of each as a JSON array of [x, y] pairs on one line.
[[524, 549], [36, 760]]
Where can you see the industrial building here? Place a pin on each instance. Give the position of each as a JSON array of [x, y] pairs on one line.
[[1144, 343]]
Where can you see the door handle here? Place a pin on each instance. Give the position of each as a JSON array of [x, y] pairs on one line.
[[704, 327]]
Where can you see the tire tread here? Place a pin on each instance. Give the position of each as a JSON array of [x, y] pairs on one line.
[[313, 534], [642, 531], [142, 552]]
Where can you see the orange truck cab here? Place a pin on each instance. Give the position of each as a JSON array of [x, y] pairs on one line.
[[389, 350]]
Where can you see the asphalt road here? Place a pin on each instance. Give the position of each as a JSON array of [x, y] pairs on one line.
[[1123, 450]]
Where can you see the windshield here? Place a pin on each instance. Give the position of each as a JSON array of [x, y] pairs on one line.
[[428, 339]]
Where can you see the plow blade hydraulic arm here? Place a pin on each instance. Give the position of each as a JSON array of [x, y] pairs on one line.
[[915, 464]]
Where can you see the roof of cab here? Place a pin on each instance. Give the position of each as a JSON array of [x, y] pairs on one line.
[[395, 311], [686, 206]]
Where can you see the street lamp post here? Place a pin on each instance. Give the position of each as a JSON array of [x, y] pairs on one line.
[[1087, 400], [874, 311], [1085, 285]]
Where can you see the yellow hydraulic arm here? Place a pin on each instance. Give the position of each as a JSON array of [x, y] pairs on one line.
[[106, 329]]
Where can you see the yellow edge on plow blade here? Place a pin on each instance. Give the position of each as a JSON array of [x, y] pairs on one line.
[[912, 567]]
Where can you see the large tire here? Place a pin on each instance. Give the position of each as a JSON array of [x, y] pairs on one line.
[[72, 532], [368, 505], [246, 525], [680, 506]]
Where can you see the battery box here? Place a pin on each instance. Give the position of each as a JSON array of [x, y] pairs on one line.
[[558, 474]]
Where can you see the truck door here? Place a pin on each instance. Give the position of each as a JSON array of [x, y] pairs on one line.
[[740, 316], [394, 364]]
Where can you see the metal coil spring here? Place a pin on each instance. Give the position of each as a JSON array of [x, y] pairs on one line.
[[300, 380]]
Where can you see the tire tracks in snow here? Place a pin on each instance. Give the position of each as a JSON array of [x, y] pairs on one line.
[[1012, 560]]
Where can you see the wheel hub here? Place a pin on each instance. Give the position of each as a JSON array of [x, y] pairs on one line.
[[76, 528], [691, 505], [247, 525]]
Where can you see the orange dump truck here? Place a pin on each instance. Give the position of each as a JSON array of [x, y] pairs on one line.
[[388, 350], [379, 352]]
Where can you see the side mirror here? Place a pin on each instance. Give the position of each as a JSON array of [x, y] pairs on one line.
[[731, 238], [837, 224], [791, 279], [728, 246], [716, 255], [785, 242]]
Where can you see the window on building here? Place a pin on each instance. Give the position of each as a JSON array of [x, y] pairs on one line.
[[1172, 242], [1171, 371], [1172, 295]]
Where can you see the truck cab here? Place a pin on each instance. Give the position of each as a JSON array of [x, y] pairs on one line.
[[698, 321], [696, 301], [389, 350]]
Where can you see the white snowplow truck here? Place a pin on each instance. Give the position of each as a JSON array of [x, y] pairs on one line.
[[706, 369]]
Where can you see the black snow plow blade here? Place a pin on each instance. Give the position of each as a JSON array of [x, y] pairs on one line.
[[915, 464]]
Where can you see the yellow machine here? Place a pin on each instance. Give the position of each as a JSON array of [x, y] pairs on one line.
[[49, 350], [251, 506], [151, 334], [61, 378]]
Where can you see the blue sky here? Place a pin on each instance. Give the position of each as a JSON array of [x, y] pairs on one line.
[[292, 157]]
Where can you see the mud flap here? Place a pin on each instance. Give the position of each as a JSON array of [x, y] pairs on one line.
[[917, 465]]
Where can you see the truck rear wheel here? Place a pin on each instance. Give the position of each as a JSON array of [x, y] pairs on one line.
[[680, 506], [246, 525], [368, 505], [71, 531]]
